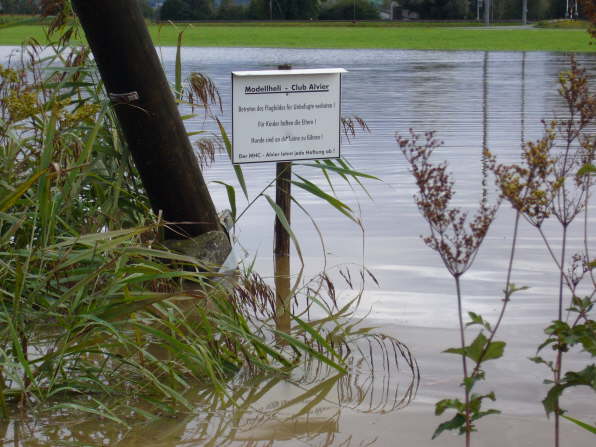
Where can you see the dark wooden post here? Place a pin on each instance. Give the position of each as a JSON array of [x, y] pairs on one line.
[[281, 249], [133, 76]]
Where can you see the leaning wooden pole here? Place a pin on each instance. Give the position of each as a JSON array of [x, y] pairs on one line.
[[147, 112]]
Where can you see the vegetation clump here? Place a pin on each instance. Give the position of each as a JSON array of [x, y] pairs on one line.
[[553, 180], [96, 314]]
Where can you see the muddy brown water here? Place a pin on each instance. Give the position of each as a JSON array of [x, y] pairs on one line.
[[471, 99]]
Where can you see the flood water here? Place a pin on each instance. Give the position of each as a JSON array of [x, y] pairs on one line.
[[472, 99]]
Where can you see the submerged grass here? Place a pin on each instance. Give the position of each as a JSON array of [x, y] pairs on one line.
[[351, 36]]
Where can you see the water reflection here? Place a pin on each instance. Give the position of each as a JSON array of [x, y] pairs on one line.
[[473, 99], [257, 411], [523, 99]]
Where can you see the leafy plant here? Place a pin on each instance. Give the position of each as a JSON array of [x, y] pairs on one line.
[[456, 237], [554, 179]]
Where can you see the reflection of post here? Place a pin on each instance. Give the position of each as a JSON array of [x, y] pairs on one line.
[[281, 249], [484, 126], [524, 12], [523, 98], [486, 12]]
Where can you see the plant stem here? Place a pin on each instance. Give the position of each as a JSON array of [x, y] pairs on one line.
[[463, 358], [562, 272], [587, 186], [554, 257], [507, 297], [559, 361], [3, 407]]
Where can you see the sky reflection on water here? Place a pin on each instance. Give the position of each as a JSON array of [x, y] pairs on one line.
[[471, 99]]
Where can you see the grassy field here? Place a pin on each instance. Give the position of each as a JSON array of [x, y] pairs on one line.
[[427, 37]]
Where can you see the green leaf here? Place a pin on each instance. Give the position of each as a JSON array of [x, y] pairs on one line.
[[457, 351], [316, 335], [477, 319], [584, 425], [481, 414], [551, 401], [308, 349], [495, 350], [476, 401], [539, 360], [237, 168], [445, 404], [316, 191], [103, 412], [340, 170], [475, 350], [514, 289], [457, 422], [231, 198], [12, 198], [178, 70], [469, 382], [478, 351], [588, 168], [284, 223]]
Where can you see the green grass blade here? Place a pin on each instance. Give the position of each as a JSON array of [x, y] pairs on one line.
[[14, 196], [318, 192], [309, 350], [342, 170], [584, 425], [231, 198], [237, 168], [103, 412], [316, 335], [285, 224], [178, 67]]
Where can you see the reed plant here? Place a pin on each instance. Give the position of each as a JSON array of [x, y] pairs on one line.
[[96, 314]]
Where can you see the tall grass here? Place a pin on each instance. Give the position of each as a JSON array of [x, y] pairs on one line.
[[96, 315]]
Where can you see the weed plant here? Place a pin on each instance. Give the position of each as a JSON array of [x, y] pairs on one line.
[[553, 179]]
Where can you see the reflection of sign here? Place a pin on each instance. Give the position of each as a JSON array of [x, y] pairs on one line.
[[284, 115]]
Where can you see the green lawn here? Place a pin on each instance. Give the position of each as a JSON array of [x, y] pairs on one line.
[[350, 36]]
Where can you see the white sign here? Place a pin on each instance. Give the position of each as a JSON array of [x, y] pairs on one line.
[[284, 115]]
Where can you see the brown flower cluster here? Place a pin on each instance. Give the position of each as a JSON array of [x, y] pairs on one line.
[[530, 187], [453, 233], [550, 179]]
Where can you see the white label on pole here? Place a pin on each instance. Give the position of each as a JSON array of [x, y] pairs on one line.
[[285, 115]]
